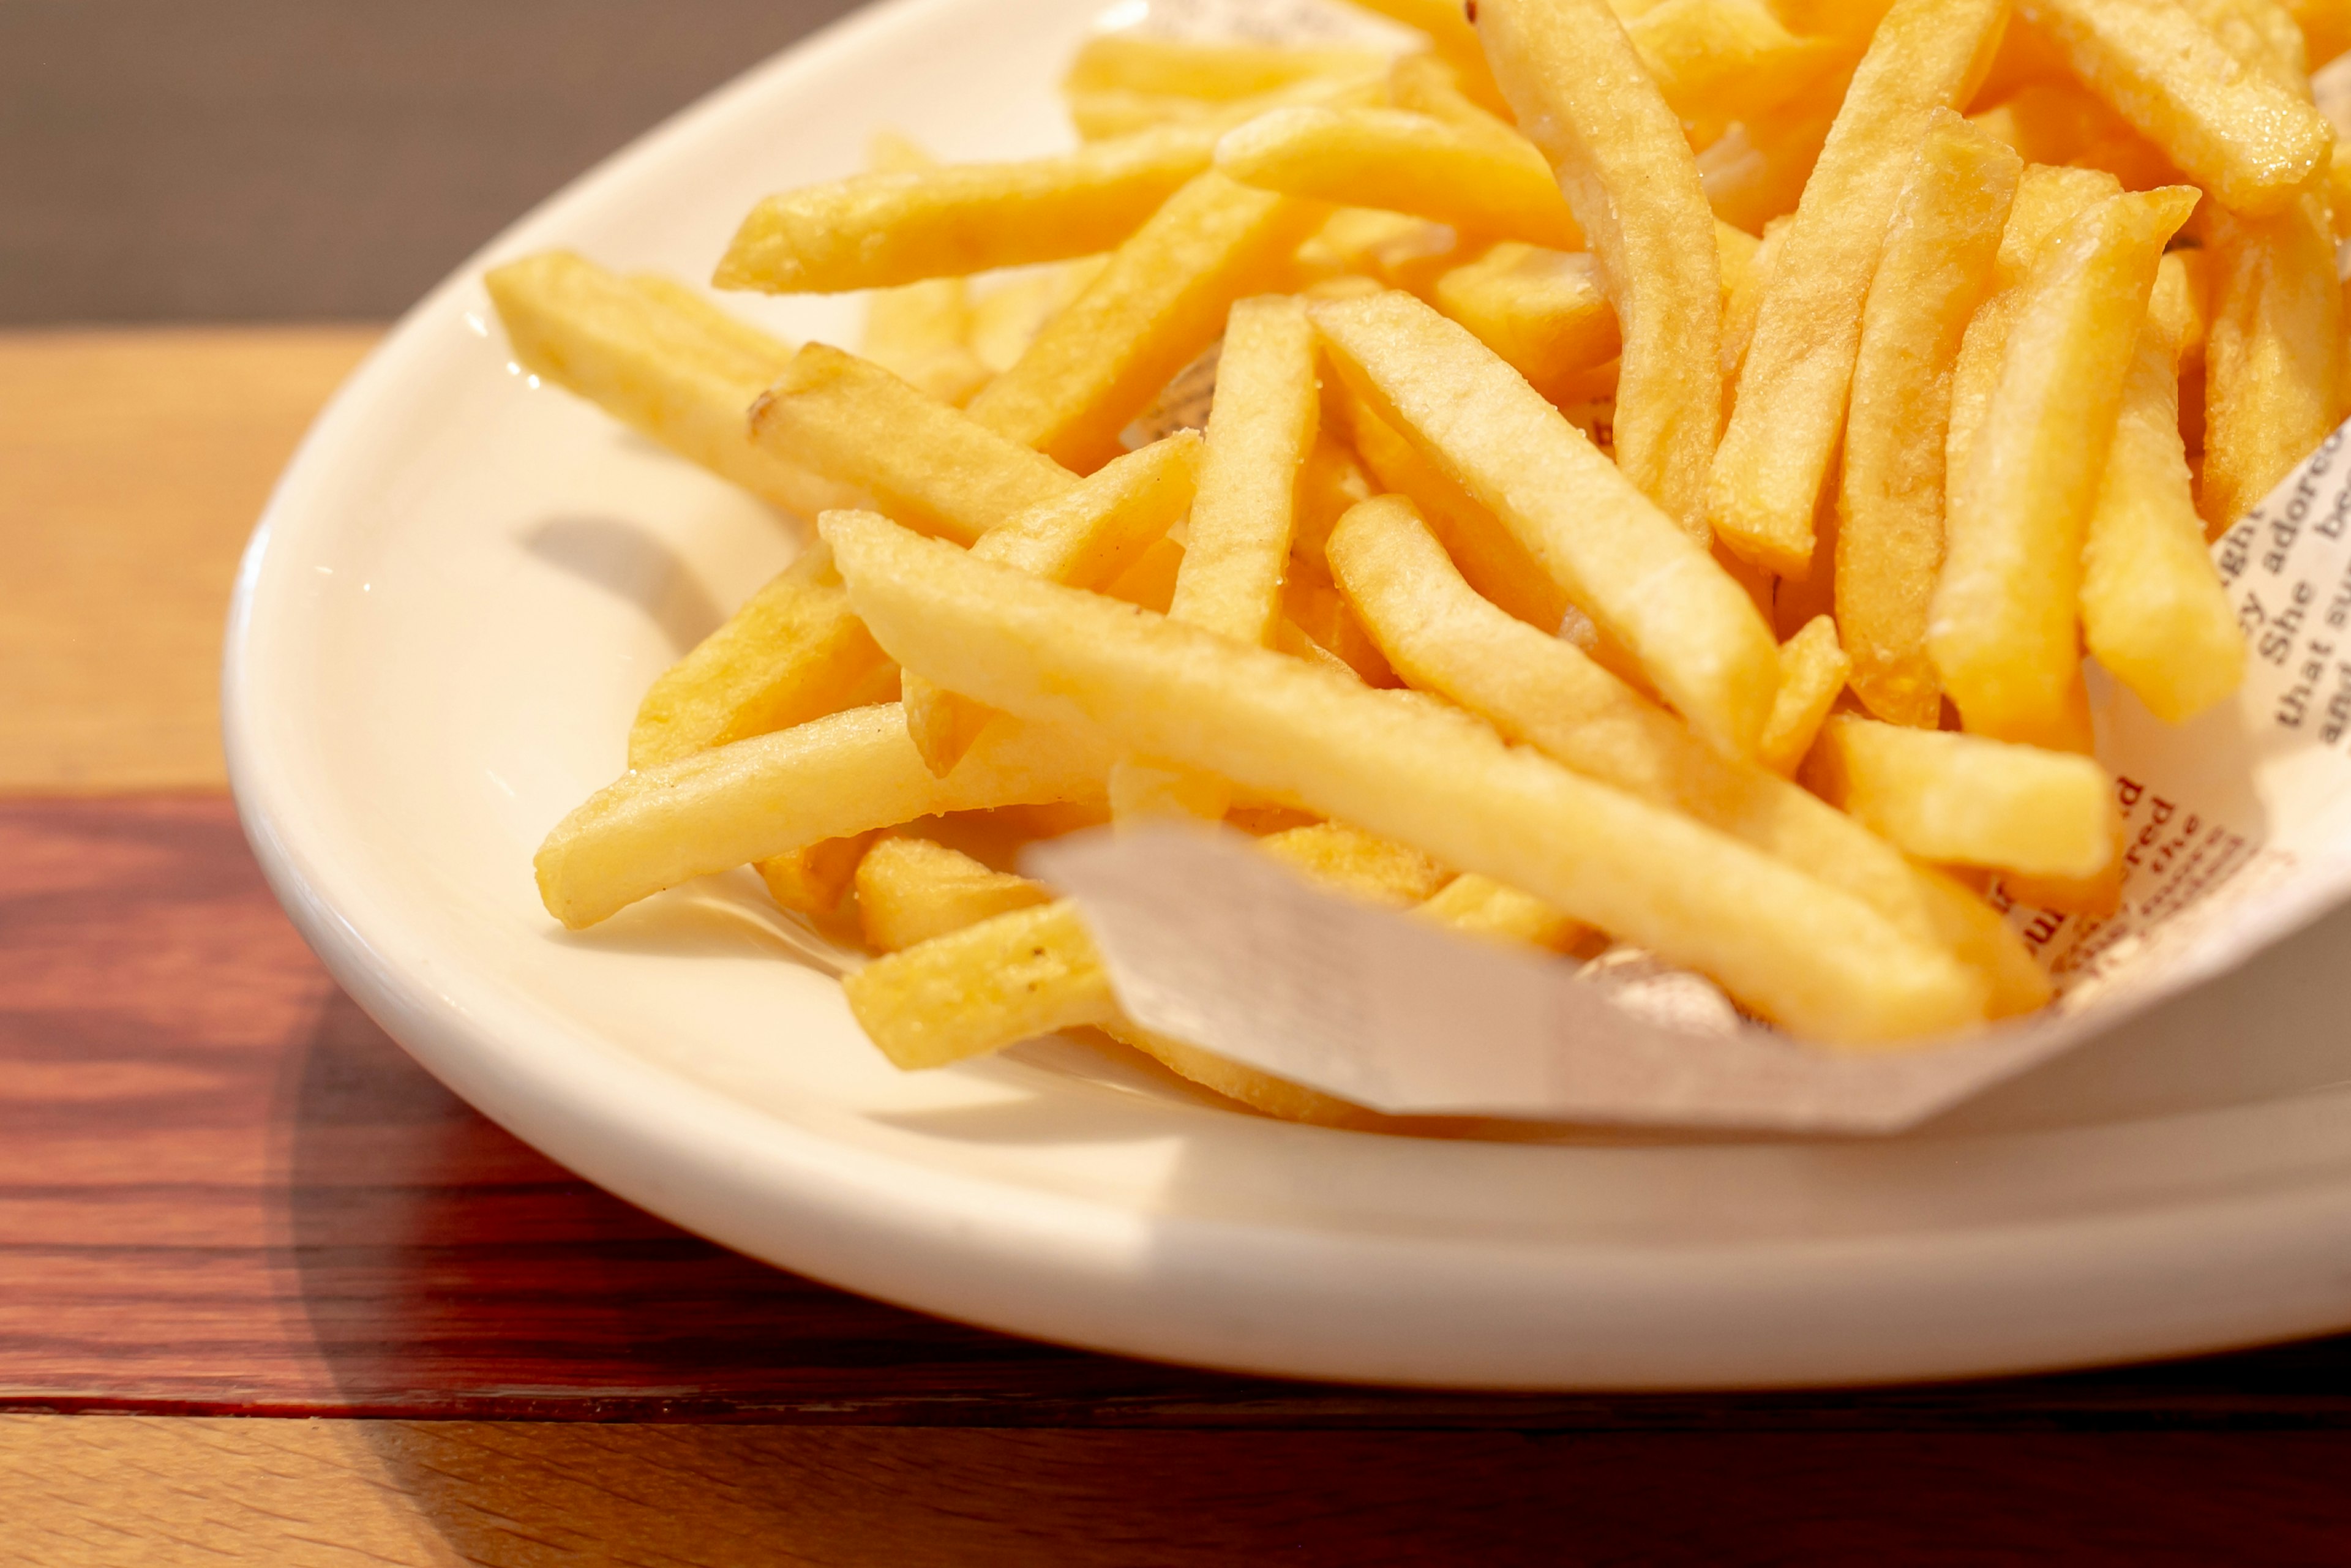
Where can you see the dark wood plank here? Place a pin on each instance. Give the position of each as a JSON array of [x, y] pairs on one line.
[[222, 1188]]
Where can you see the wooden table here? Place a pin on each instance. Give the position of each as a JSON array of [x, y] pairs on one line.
[[225, 1194]]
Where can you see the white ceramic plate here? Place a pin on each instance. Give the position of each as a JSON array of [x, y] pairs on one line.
[[445, 623]]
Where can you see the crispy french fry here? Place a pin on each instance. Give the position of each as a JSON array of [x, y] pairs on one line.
[[794, 652], [1813, 672], [1480, 906], [1331, 480], [1398, 161], [1100, 113], [1754, 173], [1158, 303], [2226, 125], [874, 231], [2274, 356], [1006, 980], [1350, 861], [910, 889], [1935, 271], [1716, 62], [1455, 40], [918, 332], [1086, 537], [1965, 801], [927, 464], [1429, 84], [2261, 34], [1007, 319], [1814, 958], [2180, 303], [1540, 691], [1643, 581], [813, 881], [1740, 298], [2004, 628], [645, 354], [2058, 122], [832, 778], [1790, 402], [2153, 610], [1218, 72], [1568, 69]]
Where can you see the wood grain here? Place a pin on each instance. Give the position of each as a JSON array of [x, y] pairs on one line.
[[132, 467]]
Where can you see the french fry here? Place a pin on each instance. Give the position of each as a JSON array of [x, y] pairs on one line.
[[875, 231], [640, 352], [2326, 28], [1398, 161], [1643, 581], [2180, 303], [2153, 610], [1814, 670], [1101, 113], [2057, 122], [1540, 691], [793, 653], [1480, 906], [1741, 297], [1790, 402], [1455, 40], [1962, 800], [1754, 173], [1716, 62], [1367, 869], [1086, 537], [2226, 125], [934, 469], [2273, 358], [910, 889], [918, 332], [1216, 71], [1578, 87], [1935, 271], [1331, 480], [2004, 628], [1426, 83], [1794, 949], [2261, 34], [1158, 303], [813, 881], [833, 777]]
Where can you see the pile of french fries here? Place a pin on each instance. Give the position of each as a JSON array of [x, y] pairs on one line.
[[1667, 461]]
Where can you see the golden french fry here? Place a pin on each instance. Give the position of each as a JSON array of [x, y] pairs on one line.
[[2326, 28], [918, 332], [1331, 480], [1006, 980], [1007, 319], [1742, 294], [1814, 958], [1579, 88], [1936, 269], [2004, 629], [1450, 34], [1754, 173], [2180, 303], [910, 889], [2057, 122], [1540, 691], [1965, 801], [927, 464], [829, 778], [873, 231], [813, 881], [1641, 578], [2261, 34], [1100, 113], [1480, 906], [1398, 161], [2274, 357], [660, 360], [794, 651], [1790, 402], [1217, 71], [1158, 303], [2153, 608], [1814, 670], [1429, 84], [1347, 859], [2226, 125], [1318, 612], [1086, 537], [1716, 62]]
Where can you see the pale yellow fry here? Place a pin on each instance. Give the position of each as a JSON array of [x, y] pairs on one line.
[[794, 652], [917, 331], [1742, 296], [1541, 691], [928, 466], [1716, 62], [1937, 271], [1085, 537], [1963, 800], [2061, 122], [1217, 70], [2227, 125], [1570, 72], [1347, 859], [1791, 403], [2004, 629], [813, 881], [1429, 84], [1104, 112], [1331, 481], [910, 889], [1399, 160], [1449, 32], [1818, 960], [1007, 319], [2180, 304], [647, 359], [1642, 580], [872, 230], [1814, 670], [2273, 356], [1480, 906], [829, 778], [1159, 302], [2153, 608]]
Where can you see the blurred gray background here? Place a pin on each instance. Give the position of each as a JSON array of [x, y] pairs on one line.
[[319, 159]]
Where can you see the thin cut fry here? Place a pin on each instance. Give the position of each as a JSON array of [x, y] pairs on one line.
[[1571, 74], [1007, 319], [1218, 72], [910, 889], [918, 332], [1480, 906], [1812, 674], [1791, 403], [1936, 269], [1965, 801], [1449, 32], [1159, 302], [1796, 950], [1717, 62], [813, 881], [2273, 356], [1754, 173], [2058, 122], [1643, 581]]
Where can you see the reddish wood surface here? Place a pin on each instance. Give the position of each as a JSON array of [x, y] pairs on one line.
[[222, 1188]]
